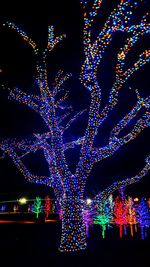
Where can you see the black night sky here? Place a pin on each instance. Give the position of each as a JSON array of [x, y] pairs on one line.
[[17, 69]]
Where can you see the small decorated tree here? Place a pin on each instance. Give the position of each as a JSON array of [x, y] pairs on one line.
[[143, 216], [3, 208], [131, 214], [103, 216], [47, 206], [37, 207], [120, 213], [123, 198], [15, 208]]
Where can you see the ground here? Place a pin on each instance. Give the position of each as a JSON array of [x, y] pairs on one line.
[[36, 245]]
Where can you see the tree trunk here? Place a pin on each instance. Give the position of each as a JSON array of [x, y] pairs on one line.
[[125, 229], [73, 236], [142, 232], [103, 230], [131, 229], [120, 232]]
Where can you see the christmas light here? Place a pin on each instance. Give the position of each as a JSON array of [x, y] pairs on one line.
[[120, 214], [143, 217], [104, 216], [49, 101], [88, 218], [131, 214], [47, 206], [37, 207]]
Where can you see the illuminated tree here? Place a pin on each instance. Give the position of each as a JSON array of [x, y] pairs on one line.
[[123, 198], [131, 214], [143, 217], [104, 216], [47, 206], [49, 102], [120, 214], [37, 207], [3, 208]]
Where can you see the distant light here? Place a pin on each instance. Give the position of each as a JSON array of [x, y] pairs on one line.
[[22, 200], [88, 201], [136, 199]]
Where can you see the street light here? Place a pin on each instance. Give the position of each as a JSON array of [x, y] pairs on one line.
[[22, 200], [88, 201]]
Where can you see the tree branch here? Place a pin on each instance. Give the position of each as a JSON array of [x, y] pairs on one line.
[[139, 126], [93, 52], [118, 20], [24, 36], [54, 180], [116, 142], [59, 81], [52, 40], [31, 101], [73, 144], [102, 196], [72, 120]]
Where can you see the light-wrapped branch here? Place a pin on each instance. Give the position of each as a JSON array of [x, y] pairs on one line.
[[99, 154], [94, 50], [73, 144], [123, 75], [60, 102], [22, 33], [52, 40], [59, 81], [72, 120], [115, 142], [130, 116], [31, 101], [140, 125], [102, 196], [10, 150]]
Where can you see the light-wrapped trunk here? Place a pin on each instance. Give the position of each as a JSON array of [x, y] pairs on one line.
[[73, 236]]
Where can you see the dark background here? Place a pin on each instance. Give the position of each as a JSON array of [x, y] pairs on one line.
[[17, 65]]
